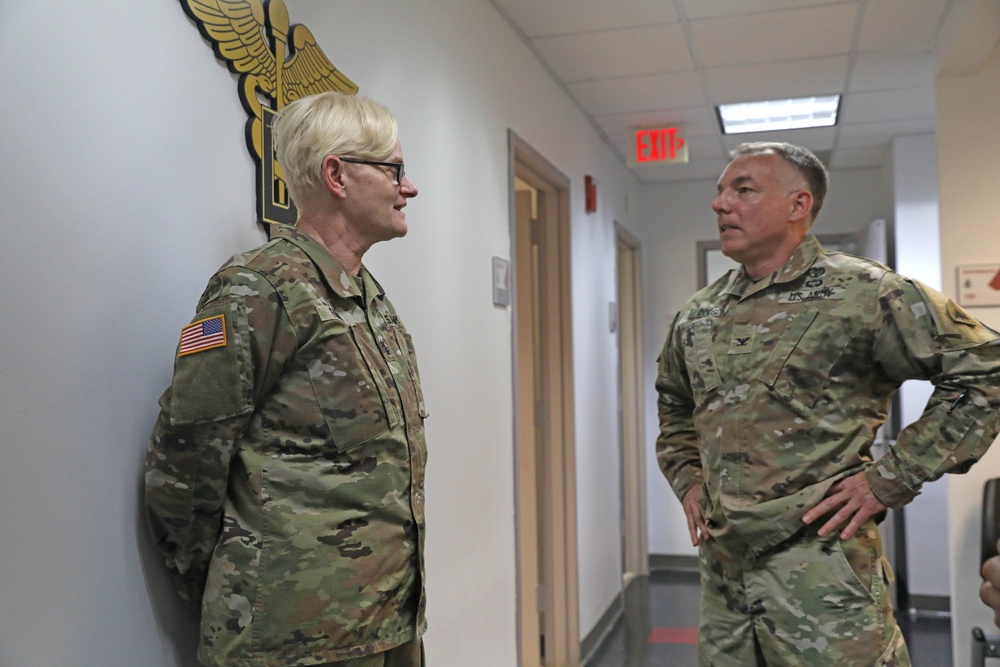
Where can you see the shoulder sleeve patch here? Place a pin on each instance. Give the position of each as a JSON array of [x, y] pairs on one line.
[[953, 323], [203, 335], [218, 384], [958, 315]]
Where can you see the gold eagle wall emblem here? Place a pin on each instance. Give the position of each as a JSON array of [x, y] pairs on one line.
[[277, 63]]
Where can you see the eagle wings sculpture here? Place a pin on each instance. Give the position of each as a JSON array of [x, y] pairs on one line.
[[277, 63]]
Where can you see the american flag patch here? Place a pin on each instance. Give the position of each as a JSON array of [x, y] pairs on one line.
[[203, 335]]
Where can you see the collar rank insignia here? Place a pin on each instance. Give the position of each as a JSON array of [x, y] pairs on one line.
[[277, 63], [742, 340]]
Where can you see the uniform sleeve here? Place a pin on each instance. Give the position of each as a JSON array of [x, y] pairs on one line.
[[924, 335], [677, 443], [227, 358]]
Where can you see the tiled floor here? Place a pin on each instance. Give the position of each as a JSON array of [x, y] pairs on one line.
[[658, 628]]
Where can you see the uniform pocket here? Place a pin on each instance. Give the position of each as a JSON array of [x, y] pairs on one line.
[[348, 376], [405, 343], [861, 558], [703, 373], [802, 361]]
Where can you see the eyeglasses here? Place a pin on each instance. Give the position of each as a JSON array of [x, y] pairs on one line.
[[398, 166]]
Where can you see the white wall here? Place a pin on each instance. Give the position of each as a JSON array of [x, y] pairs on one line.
[[918, 255], [128, 183], [675, 217], [125, 187], [969, 172]]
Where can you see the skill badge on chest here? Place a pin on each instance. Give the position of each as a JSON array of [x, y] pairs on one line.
[[742, 340], [816, 287]]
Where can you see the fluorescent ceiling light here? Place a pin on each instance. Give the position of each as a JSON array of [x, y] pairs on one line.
[[779, 114]]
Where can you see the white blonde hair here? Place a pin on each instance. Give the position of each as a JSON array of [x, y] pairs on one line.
[[331, 123]]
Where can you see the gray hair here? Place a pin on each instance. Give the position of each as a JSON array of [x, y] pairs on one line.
[[804, 161]]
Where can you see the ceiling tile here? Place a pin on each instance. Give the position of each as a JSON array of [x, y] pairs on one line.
[[862, 135], [815, 139], [614, 53], [895, 24], [695, 120], [638, 93], [769, 37], [855, 158], [700, 9], [888, 105], [876, 70], [791, 78], [968, 35], [560, 17]]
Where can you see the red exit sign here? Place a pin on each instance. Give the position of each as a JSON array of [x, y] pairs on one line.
[[662, 145]]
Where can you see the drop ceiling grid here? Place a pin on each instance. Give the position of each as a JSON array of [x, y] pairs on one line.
[[634, 63]]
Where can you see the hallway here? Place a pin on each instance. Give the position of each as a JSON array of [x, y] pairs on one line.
[[134, 177], [658, 628]]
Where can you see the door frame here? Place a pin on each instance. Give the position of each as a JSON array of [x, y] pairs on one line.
[[635, 533], [545, 478]]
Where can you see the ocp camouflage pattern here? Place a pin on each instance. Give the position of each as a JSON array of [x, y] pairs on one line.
[[284, 478], [771, 391], [817, 601]]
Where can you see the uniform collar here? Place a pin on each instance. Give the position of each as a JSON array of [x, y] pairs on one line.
[[363, 286], [804, 257]]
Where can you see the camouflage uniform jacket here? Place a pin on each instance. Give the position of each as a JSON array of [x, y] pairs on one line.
[[285, 475], [771, 391]]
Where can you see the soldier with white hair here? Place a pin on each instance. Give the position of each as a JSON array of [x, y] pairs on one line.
[[285, 475]]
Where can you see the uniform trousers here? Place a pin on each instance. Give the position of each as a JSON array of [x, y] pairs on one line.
[[410, 654], [811, 602]]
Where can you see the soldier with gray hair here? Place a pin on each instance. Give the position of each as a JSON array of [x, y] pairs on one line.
[[772, 384], [285, 475]]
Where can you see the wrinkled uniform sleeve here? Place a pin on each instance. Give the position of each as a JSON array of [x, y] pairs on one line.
[[677, 444], [208, 405], [924, 335]]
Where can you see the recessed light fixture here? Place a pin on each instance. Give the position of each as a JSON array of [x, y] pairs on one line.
[[789, 114]]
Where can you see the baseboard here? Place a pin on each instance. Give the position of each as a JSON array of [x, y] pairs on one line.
[[661, 562], [929, 606]]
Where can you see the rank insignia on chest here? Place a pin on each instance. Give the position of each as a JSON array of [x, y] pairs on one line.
[[742, 340]]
